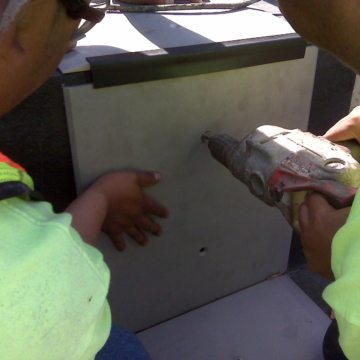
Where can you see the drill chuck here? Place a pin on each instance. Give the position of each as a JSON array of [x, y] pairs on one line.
[[223, 148]]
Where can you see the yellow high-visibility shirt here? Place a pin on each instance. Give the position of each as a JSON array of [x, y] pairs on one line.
[[343, 295], [53, 286]]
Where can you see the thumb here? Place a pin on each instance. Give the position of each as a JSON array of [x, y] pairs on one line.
[[148, 178]]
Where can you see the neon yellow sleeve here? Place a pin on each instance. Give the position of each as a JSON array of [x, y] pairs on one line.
[[343, 295], [53, 287]]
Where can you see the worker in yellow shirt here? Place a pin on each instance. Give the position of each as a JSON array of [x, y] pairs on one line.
[[331, 238], [53, 281]]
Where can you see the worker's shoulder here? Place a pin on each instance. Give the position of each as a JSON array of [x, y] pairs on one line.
[[34, 212], [53, 287], [32, 229]]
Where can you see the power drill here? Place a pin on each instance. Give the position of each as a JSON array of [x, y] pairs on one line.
[[282, 166]]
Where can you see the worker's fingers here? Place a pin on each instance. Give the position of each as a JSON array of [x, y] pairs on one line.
[[149, 225], [136, 234], [117, 238], [148, 178], [316, 214], [343, 130], [317, 202], [153, 207], [312, 209], [347, 128]]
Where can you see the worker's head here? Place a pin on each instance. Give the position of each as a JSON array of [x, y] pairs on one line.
[[34, 35]]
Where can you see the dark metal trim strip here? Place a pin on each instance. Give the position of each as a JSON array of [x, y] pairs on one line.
[[128, 68]]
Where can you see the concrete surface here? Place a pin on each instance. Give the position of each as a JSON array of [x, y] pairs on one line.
[[273, 320]]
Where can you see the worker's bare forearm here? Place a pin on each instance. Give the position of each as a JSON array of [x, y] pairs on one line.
[[330, 24], [88, 212]]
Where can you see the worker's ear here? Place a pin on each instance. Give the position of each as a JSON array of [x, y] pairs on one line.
[[8, 44], [10, 13], [15, 80], [9, 59], [31, 46]]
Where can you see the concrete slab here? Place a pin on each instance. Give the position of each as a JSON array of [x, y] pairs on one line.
[[273, 320]]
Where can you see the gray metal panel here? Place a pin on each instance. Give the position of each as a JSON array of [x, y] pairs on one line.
[[157, 125], [274, 320]]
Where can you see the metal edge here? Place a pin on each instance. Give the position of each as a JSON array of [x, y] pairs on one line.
[[128, 68]]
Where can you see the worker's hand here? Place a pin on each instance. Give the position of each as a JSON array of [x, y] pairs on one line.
[[117, 205], [319, 222], [129, 210], [347, 128]]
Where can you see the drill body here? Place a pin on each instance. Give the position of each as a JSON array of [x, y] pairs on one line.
[[282, 166]]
